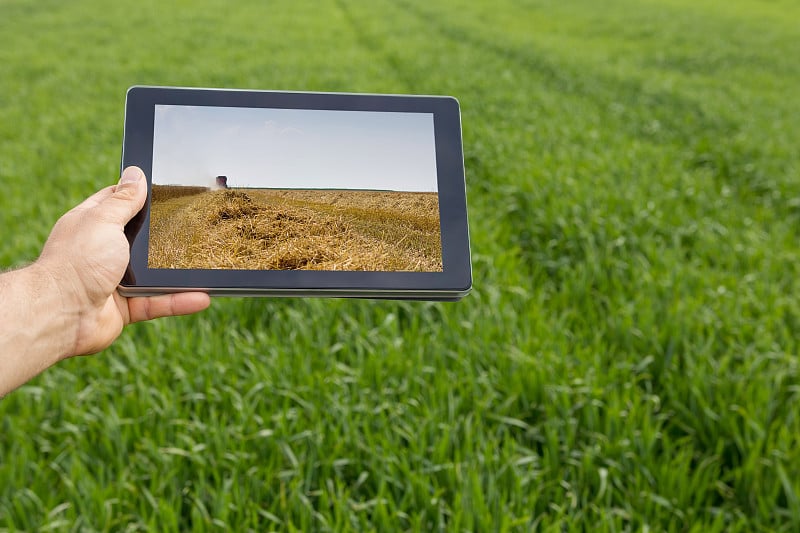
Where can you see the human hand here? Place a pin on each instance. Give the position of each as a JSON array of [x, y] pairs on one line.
[[86, 255]]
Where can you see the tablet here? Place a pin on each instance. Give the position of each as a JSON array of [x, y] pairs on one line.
[[265, 193]]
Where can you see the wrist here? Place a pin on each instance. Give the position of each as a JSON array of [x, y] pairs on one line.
[[37, 331], [58, 303]]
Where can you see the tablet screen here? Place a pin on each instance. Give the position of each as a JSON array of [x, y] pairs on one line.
[[293, 189]]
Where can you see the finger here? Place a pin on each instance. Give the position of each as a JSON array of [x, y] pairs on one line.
[[127, 198], [150, 307]]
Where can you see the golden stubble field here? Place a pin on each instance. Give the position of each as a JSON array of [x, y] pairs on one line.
[[277, 229]]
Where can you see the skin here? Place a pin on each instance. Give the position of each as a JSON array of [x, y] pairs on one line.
[[66, 303]]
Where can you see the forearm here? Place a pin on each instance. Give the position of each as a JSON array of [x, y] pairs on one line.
[[35, 329]]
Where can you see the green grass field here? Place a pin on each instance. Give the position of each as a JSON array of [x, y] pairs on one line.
[[626, 362]]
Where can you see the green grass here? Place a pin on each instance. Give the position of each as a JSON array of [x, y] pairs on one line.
[[627, 360]]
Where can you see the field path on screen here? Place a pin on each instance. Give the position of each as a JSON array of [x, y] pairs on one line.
[[271, 229]]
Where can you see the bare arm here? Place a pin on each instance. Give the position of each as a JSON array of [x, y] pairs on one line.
[[66, 303], [32, 336]]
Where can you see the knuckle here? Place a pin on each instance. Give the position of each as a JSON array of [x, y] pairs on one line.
[[125, 193]]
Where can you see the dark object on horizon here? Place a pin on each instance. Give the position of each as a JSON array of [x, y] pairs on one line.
[[222, 182]]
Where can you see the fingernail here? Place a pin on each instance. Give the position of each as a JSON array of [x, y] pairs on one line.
[[131, 175]]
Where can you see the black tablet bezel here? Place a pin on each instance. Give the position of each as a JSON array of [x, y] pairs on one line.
[[456, 277]]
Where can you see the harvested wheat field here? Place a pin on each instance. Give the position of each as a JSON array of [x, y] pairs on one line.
[[278, 229]]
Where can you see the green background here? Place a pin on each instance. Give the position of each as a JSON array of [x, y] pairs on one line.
[[627, 360]]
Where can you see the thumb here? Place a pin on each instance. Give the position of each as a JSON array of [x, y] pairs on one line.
[[128, 197]]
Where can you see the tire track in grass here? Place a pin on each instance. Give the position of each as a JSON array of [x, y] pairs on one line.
[[675, 113], [370, 42], [644, 112]]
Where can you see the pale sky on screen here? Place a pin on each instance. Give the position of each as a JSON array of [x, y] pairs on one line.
[[294, 148]]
